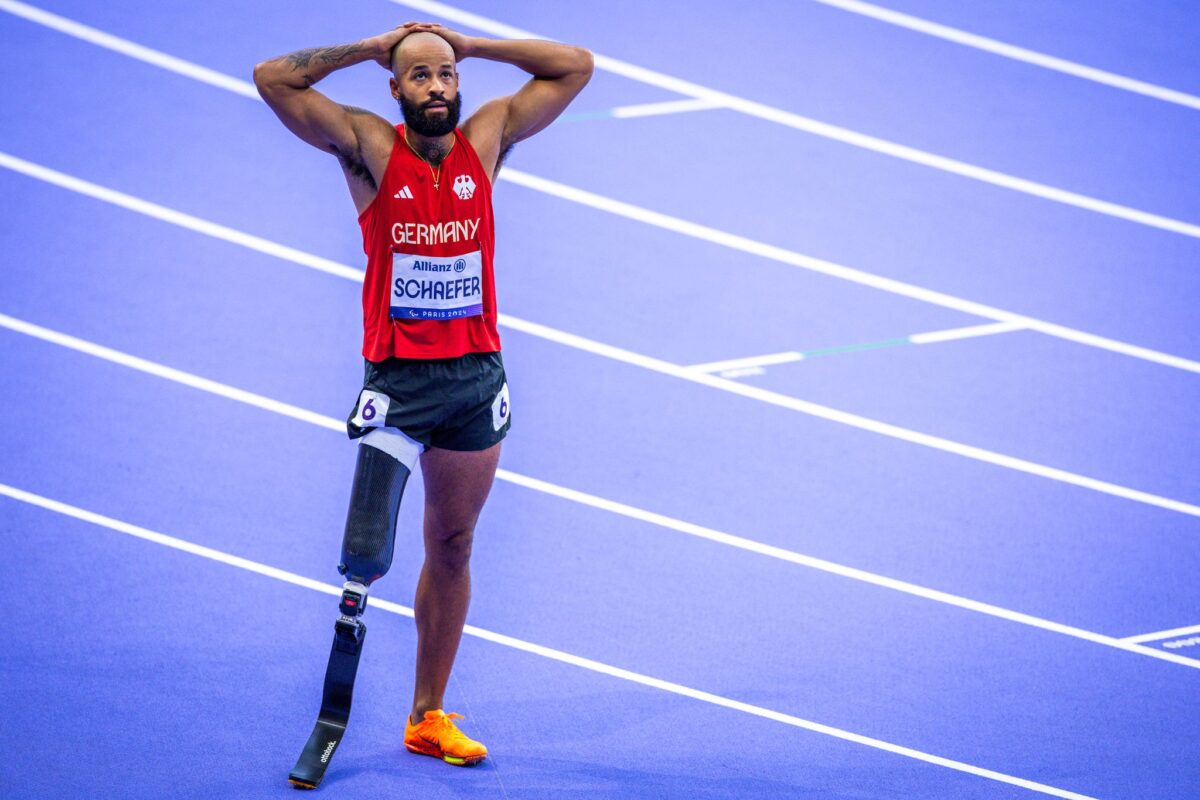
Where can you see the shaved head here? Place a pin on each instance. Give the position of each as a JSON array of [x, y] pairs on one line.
[[425, 84], [421, 47]]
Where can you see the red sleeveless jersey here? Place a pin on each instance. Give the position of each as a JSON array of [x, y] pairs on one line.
[[429, 290]]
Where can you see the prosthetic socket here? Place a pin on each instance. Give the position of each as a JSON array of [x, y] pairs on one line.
[[370, 537]]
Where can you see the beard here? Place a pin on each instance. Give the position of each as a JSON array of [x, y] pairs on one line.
[[420, 122]]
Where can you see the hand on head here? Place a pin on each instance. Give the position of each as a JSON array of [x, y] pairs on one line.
[[388, 41], [459, 43]]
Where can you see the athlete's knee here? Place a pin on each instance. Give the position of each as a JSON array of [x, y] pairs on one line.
[[385, 460], [450, 551]]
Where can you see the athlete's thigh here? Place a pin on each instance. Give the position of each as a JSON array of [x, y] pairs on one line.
[[457, 483]]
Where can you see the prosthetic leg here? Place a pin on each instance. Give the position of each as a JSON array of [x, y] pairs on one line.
[[385, 460]]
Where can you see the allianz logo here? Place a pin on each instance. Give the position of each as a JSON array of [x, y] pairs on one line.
[[430, 266]]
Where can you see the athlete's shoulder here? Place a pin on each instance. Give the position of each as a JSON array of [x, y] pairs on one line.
[[487, 123], [376, 130], [485, 129]]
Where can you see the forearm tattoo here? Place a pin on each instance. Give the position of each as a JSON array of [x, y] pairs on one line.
[[326, 55]]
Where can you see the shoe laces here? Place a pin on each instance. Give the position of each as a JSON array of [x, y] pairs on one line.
[[447, 728]]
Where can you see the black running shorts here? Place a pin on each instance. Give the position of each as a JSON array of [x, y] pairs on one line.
[[452, 403]]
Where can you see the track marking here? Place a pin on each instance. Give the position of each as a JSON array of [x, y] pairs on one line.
[[834, 270], [823, 129], [667, 107], [736, 364], [752, 365], [1190, 641], [180, 218], [617, 353], [844, 135], [741, 372], [590, 500], [641, 110], [131, 49], [753, 247], [170, 373], [964, 333], [1006, 50], [522, 645], [1170, 634], [846, 418]]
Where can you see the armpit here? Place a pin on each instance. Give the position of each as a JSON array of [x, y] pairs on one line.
[[500, 159], [354, 166]]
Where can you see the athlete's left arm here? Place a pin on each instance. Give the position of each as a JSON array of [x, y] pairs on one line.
[[560, 71]]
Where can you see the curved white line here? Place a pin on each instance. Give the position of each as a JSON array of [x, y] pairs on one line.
[[644, 215], [609, 351], [1007, 50], [826, 130], [560, 656], [583, 498]]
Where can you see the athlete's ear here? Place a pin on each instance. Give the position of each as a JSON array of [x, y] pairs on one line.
[[395, 87]]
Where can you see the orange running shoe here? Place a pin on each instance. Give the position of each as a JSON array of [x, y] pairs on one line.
[[437, 736]]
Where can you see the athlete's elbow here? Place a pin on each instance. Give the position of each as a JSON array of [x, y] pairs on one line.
[[586, 61], [262, 76], [267, 77]]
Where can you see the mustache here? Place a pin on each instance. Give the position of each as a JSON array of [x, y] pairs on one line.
[[420, 117]]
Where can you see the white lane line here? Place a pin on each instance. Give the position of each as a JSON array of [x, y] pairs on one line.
[[170, 373], [666, 107], [696, 91], [750, 361], [839, 271], [266, 570], [174, 217], [965, 333], [228, 559], [846, 418], [117, 44], [741, 372], [999, 48], [817, 128], [1169, 634], [751, 364], [660, 366], [780, 254], [583, 498], [841, 570]]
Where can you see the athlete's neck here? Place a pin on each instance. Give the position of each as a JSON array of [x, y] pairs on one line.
[[433, 149]]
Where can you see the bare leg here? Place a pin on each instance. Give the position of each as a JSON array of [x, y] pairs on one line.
[[456, 486]]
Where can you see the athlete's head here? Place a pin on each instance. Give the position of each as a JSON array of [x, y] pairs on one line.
[[425, 83]]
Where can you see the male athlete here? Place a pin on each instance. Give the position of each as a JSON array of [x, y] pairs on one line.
[[435, 387]]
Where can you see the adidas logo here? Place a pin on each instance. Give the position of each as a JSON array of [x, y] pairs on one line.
[[404, 194]]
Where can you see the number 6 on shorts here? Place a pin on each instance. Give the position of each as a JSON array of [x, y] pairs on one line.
[[372, 409]]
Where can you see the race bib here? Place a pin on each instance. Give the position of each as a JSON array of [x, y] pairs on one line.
[[500, 408], [429, 287], [372, 409]]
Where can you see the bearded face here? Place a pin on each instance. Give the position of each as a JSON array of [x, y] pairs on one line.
[[434, 117]]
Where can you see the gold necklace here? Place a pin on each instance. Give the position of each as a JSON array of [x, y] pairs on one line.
[[437, 175]]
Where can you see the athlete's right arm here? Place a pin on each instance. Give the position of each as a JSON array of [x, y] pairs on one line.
[[285, 83]]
